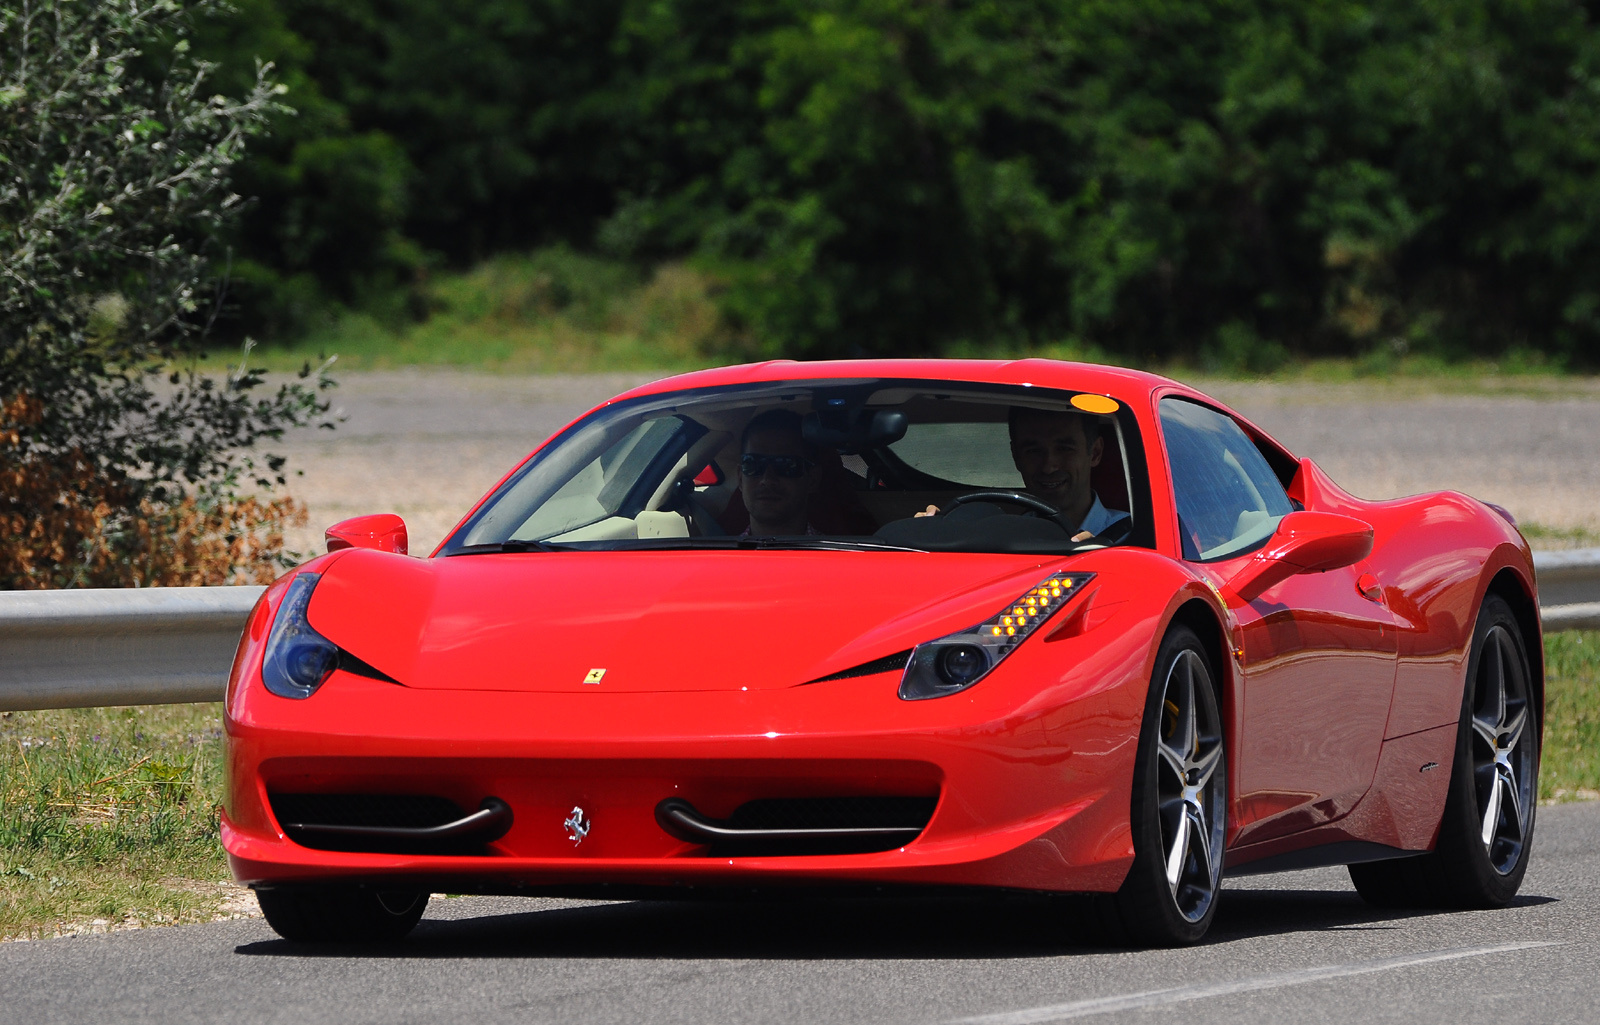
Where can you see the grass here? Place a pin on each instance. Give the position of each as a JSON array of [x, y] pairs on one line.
[[1547, 538], [108, 815], [1571, 768], [559, 311], [551, 311], [1383, 370]]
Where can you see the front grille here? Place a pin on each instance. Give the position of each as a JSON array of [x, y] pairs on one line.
[[402, 811]]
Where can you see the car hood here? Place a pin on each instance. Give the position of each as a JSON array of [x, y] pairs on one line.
[[652, 621]]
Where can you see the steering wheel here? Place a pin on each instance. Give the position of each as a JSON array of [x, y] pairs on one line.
[[1022, 498]]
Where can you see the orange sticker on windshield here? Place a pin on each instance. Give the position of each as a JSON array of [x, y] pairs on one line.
[[1095, 403]]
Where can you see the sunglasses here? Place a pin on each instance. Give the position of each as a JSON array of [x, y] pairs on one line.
[[753, 464]]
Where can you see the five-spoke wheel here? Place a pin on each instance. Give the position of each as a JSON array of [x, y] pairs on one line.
[[1180, 801], [1487, 827], [1190, 748], [1502, 756]]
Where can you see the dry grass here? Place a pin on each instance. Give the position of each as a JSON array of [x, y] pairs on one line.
[[68, 521]]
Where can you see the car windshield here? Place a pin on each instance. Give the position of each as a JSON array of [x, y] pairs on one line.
[[830, 465]]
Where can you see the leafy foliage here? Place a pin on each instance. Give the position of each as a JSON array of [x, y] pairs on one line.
[[1227, 181], [115, 158]]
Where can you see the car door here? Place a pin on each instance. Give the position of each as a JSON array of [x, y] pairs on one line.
[[1319, 655]]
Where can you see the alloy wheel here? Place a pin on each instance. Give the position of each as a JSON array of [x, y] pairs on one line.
[[1191, 791], [1502, 759]]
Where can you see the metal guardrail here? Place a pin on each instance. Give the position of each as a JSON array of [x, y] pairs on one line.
[[1569, 589], [157, 645], [76, 649]]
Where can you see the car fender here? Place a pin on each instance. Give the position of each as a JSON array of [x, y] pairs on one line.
[[1146, 576]]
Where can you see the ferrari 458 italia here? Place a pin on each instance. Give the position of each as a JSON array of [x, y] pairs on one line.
[[1021, 625]]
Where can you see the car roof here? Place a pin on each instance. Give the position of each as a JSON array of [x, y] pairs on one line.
[[1048, 373], [1043, 372]]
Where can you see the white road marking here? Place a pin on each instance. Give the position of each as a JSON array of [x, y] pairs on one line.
[[1202, 991]]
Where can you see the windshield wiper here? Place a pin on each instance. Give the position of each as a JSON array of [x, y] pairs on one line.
[[668, 544], [822, 544], [498, 547], [814, 544]]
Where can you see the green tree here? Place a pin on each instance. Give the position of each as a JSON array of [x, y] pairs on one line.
[[115, 161], [1156, 177]]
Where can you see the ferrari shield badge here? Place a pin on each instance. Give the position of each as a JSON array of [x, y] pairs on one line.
[[595, 676], [578, 825]]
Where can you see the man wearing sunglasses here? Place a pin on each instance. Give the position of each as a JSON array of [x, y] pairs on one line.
[[778, 474]]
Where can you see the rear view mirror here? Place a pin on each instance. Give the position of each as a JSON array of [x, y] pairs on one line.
[[1305, 542], [381, 532], [851, 430]]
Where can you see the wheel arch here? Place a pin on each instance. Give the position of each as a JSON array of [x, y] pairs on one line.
[[1199, 616], [1509, 586]]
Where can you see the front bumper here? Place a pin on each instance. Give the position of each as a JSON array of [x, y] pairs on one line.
[[1032, 789]]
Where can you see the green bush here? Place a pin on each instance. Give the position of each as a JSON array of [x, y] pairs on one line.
[[115, 161]]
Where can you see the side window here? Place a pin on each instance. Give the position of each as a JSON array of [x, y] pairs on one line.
[[1229, 500]]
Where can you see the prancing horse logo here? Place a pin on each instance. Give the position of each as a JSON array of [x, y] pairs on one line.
[[578, 826]]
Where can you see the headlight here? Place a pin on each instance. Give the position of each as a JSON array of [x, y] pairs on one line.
[[954, 663], [298, 660]]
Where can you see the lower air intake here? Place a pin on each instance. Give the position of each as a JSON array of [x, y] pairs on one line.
[[389, 823], [788, 826]]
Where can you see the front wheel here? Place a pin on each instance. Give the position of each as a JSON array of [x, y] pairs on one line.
[[1487, 828], [1180, 804], [341, 914]]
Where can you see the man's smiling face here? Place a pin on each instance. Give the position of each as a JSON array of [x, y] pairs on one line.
[[1055, 457]]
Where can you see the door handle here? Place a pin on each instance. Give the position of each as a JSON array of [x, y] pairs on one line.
[[1369, 588]]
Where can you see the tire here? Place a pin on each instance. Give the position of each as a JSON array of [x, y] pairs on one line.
[[341, 914], [1486, 833], [1180, 805]]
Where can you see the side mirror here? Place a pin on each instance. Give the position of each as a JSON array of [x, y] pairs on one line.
[[1305, 542], [382, 532]]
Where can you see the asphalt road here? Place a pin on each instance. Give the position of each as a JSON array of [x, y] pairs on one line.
[[1300, 947]]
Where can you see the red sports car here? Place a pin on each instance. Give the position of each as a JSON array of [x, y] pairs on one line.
[[1025, 625]]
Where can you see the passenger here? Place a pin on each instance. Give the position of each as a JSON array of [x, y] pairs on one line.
[[778, 474], [1055, 452]]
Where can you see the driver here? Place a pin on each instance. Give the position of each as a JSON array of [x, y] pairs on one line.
[[778, 474], [1055, 451]]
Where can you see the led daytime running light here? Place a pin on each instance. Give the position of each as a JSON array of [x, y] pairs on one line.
[[933, 668], [1022, 617]]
